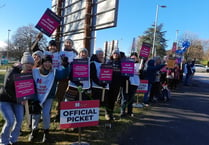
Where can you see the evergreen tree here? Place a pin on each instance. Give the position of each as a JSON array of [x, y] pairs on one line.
[[160, 41]]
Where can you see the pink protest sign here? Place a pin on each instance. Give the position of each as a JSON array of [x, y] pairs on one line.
[[105, 73], [80, 69], [145, 50], [24, 87], [75, 114], [48, 22], [127, 67], [143, 87]]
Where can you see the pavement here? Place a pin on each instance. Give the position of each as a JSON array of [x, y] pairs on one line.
[[184, 120]]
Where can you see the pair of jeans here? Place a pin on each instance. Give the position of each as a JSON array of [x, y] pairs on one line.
[[146, 95], [46, 112], [13, 115]]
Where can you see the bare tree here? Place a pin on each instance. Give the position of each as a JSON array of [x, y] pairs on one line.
[[196, 48], [23, 39]]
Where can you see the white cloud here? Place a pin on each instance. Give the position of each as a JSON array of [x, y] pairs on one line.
[[3, 45]]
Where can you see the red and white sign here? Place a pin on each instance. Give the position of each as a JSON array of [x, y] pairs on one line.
[[75, 114], [143, 87]]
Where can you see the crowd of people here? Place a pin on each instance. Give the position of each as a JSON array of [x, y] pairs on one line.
[[52, 71]]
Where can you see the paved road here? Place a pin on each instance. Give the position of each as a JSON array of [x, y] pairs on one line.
[[182, 121]]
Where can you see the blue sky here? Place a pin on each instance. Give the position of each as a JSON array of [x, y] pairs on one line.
[[134, 17]]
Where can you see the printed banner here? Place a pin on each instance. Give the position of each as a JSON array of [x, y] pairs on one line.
[[127, 67], [145, 50], [80, 69], [24, 87], [75, 114], [48, 22], [106, 73], [143, 86]]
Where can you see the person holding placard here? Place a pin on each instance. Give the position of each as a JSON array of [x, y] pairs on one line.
[[70, 53], [99, 87], [46, 78], [12, 110], [134, 81], [79, 77], [115, 61]]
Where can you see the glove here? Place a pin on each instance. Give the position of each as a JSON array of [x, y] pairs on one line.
[[65, 62], [78, 83], [103, 85]]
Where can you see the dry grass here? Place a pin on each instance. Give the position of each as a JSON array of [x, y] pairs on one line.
[[94, 135]]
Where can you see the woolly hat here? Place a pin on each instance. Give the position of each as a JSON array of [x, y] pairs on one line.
[[52, 43], [116, 51], [47, 58], [98, 51], [83, 49], [27, 58], [39, 53]]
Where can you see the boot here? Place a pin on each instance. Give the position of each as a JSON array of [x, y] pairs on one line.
[[33, 135], [46, 136]]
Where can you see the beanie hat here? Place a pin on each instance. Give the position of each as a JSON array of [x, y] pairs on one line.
[[83, 49], [68, 39], [99, 50], [47, 58], [116, 51], [52, 43], [39, 53], [27, 58]]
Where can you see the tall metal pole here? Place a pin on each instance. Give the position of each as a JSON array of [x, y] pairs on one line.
[[155, 29], [154, 35], [8, 45]]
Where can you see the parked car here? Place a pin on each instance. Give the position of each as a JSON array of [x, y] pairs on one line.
[[201, 68]]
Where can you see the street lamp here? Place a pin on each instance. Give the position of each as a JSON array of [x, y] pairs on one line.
[[8, 45], [155, 29]]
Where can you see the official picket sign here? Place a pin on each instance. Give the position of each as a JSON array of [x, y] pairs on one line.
[[143, 87], [75, 114], [24, 87]]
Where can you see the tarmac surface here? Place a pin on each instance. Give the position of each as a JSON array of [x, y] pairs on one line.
[[184, 120]]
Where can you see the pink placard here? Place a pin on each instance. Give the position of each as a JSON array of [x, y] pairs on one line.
[[80, 69], [106, 73], [24, 87], [145, 50], [48, 22], [127, 67], [75, 114]]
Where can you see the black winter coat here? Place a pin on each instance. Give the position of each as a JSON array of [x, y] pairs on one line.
[[7, 92]]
